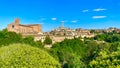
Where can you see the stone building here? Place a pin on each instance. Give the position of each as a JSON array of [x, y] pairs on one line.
[[112, 29], [83, 33], [30, 29]]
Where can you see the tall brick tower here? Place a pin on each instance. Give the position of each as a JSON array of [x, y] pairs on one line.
[[17, 21]]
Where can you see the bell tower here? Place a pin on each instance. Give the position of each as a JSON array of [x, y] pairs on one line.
[[17, 21]]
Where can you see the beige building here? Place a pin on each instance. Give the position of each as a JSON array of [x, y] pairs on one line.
[[29, 29]]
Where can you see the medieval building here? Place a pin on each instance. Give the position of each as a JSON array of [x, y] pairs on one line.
[[30, 29]]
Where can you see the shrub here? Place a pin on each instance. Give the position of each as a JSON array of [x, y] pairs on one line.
[[25, 56]]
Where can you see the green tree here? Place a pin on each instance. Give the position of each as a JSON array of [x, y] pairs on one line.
[[25, 56], [9, 37], [69, 52], [39, 44], [108, 37], [106, 60], [92, 31], [91, 51], [47, 40], [29, 40], [114, 46]]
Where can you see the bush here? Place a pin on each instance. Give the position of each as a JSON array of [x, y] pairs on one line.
[[25, 56]]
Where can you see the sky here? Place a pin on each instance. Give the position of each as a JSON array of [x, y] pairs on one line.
[[86, 14]]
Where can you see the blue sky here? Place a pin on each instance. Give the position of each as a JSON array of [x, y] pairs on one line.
[[86, 14]]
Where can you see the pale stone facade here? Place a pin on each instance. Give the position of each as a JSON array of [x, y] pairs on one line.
[[24, 29]]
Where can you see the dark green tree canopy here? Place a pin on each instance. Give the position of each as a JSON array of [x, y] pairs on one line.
[[47, 40]]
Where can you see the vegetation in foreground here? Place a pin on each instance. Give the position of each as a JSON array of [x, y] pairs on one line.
[[102, 51], [25, 56]]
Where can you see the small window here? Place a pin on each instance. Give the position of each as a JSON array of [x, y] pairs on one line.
[[13, 26]]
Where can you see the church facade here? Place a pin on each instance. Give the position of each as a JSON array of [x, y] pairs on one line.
[[29, 29]]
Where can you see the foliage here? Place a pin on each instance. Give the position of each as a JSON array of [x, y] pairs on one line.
[[114, 46], [102, 51], [91, 50], [106, 60], [39, 44], [28, 40], [9, 37], [69, 52], [25, 56], [108, 37], [92, 31], [47, 40]]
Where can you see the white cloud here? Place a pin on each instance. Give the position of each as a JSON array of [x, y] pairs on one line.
[[74, 21], [99, 9], [53, 19], [97, 17], [85, 10]]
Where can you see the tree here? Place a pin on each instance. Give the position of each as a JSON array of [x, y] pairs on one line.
[[69, 52], [106, 60], [91, 51], [25, 56], [9, 37], [114, 46], [92, 31], [108, 37], [29, 40], [47, 40], [39, 44]]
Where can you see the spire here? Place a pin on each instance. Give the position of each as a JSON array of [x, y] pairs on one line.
[[62, 24]]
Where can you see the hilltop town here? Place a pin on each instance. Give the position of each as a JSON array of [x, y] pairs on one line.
[[57, 34]]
